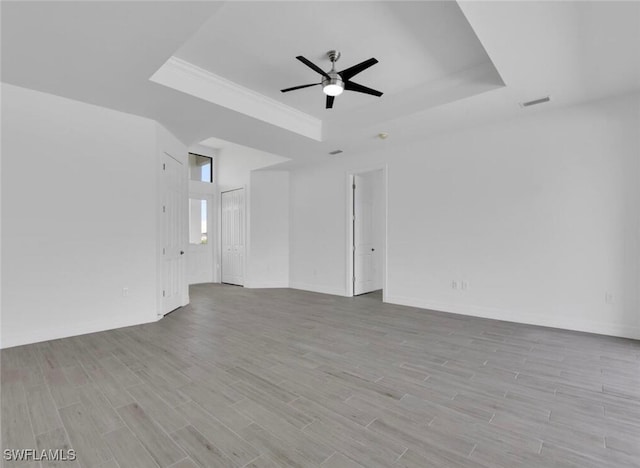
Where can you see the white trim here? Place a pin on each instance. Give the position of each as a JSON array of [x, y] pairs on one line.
[[233, 189], [318, 288], [348, 287], [174, 158], [69, 329], [191, 79], [588, 326], [266, 284], [215, 216], [246, 200], [158, 187]]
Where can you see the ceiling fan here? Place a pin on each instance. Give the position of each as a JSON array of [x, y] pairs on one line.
[[335, 82]]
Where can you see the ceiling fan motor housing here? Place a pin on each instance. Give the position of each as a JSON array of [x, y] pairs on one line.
[[334, 78]]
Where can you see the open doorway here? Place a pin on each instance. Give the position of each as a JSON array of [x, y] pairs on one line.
[[367, 233], [200, 250]]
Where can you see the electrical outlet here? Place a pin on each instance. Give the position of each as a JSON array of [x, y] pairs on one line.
[[608, 298], [464, 284], [454, 284], [125, 292]]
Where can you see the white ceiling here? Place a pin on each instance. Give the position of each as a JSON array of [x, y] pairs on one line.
[[105, 52], [254, 44]]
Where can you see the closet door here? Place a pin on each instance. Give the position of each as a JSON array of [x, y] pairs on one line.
[[232, 211]]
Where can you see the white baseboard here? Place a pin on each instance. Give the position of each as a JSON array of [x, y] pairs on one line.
[[319, 288], [9, 340], [266, 284], [589, 326]]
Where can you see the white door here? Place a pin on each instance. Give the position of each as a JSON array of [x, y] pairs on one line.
[[363, 234], [173, 245], [200, 251], [232, 236]]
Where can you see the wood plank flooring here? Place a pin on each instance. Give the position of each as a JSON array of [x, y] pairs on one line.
[[285, 378]]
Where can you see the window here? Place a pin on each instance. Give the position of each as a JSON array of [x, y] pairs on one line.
[[200, 168], [198, 221]]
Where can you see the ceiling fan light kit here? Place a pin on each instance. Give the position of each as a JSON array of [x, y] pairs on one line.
[[333, 86], [335, 82]]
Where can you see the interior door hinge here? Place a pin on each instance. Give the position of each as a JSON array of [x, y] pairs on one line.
[[163, 293], [164, 167], [164, 209], [164, 251]]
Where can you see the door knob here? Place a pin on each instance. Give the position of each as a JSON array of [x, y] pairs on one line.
[[373, 250], [182, 252]]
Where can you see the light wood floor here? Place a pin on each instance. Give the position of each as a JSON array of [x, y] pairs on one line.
[[271, 378]]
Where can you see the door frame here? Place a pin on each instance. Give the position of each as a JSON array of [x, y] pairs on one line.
[[349, 176], [245, 236]]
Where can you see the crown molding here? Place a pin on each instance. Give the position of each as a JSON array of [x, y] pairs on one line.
[[190, 79]]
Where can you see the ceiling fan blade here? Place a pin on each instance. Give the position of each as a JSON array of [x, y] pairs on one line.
[[350, 72], [330, 102], [313, 66], [351, 86], [299, 87]]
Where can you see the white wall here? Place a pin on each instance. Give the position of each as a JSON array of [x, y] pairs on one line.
[[539, 215], [264, 266], [79, 218], [318, 229], [235, 163], [268, 257]]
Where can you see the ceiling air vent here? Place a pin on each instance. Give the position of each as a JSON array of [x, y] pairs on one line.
[[334, 152], [535, 102]]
